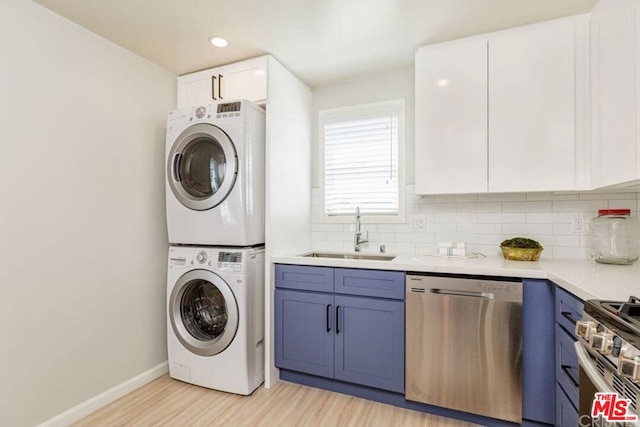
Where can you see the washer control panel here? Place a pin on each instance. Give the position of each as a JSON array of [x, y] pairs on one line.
[[230, 261]]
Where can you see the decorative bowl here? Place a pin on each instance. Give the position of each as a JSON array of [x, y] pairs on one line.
[[521, 254]]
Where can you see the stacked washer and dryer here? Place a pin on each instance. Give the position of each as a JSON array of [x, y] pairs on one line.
[[215, 219]]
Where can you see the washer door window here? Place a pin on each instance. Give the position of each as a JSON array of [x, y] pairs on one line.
[[202, 167], [203, 312]]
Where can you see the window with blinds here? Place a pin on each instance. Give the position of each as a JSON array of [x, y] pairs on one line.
[[361, 153]]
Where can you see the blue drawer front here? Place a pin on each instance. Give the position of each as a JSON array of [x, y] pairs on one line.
[[370, 283], [568, 309], [567, 369], [566, 413], [305, 278]]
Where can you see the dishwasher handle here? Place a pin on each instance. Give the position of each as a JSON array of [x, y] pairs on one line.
[[459, 293]]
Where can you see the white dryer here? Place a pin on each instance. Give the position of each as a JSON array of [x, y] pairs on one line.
[[215, 317], [215, 174]]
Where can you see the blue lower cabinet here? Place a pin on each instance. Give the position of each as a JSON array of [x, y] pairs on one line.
[[357, 338], [566, 414], [304, 332], [369, 342]]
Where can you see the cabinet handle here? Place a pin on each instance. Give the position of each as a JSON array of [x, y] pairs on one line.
[[213, 88], [565, 369], [328, 317], [220, 86], [337, 319], [567, 315]]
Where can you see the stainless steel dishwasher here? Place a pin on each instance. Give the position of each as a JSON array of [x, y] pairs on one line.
[[464, 344]]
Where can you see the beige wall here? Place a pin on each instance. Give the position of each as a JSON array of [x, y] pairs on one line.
[[82, 220]]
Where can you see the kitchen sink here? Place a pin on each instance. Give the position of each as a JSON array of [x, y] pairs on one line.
[[337, 255]]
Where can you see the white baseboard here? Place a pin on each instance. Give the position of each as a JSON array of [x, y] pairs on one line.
[[87, 407]]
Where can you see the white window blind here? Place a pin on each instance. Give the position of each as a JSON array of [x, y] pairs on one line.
[[361, 162]]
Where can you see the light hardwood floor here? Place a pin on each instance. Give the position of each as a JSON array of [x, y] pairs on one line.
[[167, 402]]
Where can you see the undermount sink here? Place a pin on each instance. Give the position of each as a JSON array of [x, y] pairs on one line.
[[370, 257]]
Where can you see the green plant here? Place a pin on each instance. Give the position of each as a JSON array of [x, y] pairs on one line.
[[521, 242]]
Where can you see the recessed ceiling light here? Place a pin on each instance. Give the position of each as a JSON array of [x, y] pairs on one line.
[[218, 41], [443, 82]]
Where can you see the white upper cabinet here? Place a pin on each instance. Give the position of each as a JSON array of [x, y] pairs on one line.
[[451, 118], [501, 113], [241, 80], [531, 109], [615, 41]]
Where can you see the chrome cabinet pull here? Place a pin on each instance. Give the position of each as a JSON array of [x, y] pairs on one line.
[[220, 86], [213, 88]]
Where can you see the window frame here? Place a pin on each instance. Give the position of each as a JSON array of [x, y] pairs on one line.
[[355, 112]]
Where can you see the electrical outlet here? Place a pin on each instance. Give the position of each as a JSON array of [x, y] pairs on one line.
[[419, 223], [579, 224]]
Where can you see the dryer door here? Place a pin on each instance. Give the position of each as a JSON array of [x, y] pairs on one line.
[[202, 166], [203, 312]]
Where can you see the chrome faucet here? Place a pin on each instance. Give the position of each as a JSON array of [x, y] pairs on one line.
[[357, 239]]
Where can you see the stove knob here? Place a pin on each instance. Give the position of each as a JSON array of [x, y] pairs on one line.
[[602, 342], [584, 328], [629, 368]]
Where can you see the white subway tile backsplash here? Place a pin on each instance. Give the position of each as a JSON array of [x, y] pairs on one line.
[[455, 218], [459, 198], [623, 204], [481, 221], [527, 229], [534, 197], [480, 207], [527, 206], [501, 218], [608, 196], [503, 197], [546, 218], [590, 206]]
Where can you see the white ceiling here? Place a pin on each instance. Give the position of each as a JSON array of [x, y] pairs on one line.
[[320, 41]]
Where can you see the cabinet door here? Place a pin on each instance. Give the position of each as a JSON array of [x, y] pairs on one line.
[[197, 88], [538, 346], [451, 118], [531, 109], [304, 324], [242, 80], [369, 342], [248, 84], [613, 43]]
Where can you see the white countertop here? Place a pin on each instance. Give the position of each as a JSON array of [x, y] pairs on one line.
[[584, 278]]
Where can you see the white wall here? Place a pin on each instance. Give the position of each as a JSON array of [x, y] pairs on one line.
[[480, 220], [82, 223]]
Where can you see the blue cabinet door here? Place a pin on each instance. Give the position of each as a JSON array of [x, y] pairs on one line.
[[369, 342], [538, 342], [304, 324]]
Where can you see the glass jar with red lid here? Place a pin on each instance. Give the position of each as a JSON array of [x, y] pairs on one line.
[[614, 237]]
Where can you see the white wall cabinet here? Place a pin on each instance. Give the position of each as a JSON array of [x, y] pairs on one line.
[[531, 109], [451, 118], [241, 80], [615, 40], [498, 113]]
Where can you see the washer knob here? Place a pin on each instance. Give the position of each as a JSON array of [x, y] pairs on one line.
[[201, 257], [200, 112]]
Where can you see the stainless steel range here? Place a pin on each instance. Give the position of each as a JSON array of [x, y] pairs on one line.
[[608, 350]]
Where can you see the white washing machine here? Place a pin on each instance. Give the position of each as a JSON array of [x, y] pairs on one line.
[[215, 174], [215, 317]]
